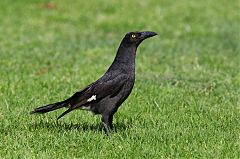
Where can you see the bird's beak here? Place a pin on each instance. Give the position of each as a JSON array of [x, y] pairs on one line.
[[147, 34]]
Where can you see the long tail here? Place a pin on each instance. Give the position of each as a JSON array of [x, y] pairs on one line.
[[49, 107]]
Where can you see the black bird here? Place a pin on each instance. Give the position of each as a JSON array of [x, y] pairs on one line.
[[105, 95]]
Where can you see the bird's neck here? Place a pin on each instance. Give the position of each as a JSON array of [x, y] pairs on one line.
[[125, 58]]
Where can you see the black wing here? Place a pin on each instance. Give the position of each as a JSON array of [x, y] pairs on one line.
[[96, 91]]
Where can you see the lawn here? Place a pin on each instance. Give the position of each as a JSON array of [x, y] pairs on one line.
[[186, 98]]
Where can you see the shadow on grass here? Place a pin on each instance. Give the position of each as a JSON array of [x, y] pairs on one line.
[[61, 126]]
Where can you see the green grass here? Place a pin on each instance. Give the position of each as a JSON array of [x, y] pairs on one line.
[[186, 99]]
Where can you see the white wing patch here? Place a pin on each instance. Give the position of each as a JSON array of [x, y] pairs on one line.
[[94, 97]]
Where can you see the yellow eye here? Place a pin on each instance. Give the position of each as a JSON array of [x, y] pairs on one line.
[[133, 35]]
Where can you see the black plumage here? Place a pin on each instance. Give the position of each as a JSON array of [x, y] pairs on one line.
[[105, 95]]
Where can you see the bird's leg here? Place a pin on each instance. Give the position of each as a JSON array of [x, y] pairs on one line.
[[105, 121], [110, 121]]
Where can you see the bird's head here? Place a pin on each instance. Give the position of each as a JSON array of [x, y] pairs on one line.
[[135, 38]]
